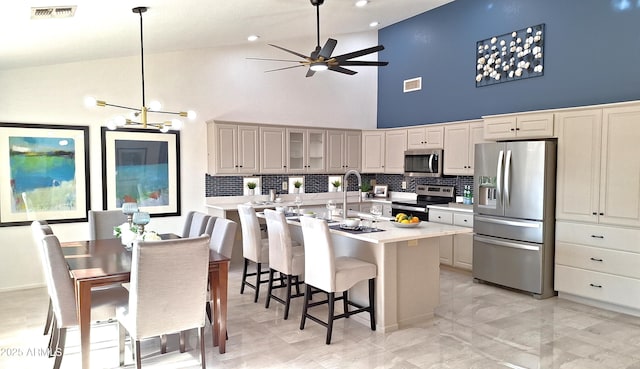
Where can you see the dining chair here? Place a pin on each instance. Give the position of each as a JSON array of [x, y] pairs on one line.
[[167, 292], [283, 258], [103, 301], [195, 224], [223, 236], [326, 272], [254, 248], [102, 222], [39, 229]]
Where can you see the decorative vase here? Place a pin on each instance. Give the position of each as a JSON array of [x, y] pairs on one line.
[[251, 191], [296, 190]]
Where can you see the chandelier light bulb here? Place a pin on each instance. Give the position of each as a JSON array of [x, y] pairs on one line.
[[155, 105], [120, 121], [191, 114], [164, 129], [176, 124], [111, 124], [90, 101]]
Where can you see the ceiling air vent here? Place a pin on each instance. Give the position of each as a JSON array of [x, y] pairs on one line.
[[53, 12]]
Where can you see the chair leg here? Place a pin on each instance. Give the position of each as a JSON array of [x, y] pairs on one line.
[[269, 288], [288, 300], [372, 305], [307, 295], [332, 300], [258, 274], [138, 357], [297, 285], [202, 353], [244, 275], [163, 343], [208, 309], [345, 303], [53, 338], [62, 336], [47, 324], [121, 339], [182, 341]]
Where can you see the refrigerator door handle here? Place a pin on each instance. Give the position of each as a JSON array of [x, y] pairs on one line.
[[514, 223], [514, 245], [499, 175], [507, 179]]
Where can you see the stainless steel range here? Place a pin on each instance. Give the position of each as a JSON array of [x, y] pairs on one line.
[[427, 195]]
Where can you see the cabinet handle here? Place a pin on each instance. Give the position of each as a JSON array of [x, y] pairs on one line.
[[594, 213], [596, 259], [595, 285], [601, 213], [597, 236], [512, 129], [517, 129], [465, 220]]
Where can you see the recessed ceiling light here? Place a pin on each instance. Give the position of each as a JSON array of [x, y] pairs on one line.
[[374, 24], [361, 3], [253, 38]]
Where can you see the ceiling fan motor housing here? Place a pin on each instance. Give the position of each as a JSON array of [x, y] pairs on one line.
[[317, 2]]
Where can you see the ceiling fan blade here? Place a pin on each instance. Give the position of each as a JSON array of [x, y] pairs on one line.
[[282, 60], [275, 70], [310, 73], [315, 53], [328, 47], [290, 51], [358, 53], [363, 63], [339, 69]]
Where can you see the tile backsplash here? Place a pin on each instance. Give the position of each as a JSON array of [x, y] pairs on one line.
[[313, 183]]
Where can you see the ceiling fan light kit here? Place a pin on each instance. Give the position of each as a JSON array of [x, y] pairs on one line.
[[138, 116], [320, 58]]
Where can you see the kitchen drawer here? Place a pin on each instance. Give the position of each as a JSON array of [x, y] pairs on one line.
[[617, 238], [438, 216], [597, 259], [598, 286], [463, 219]]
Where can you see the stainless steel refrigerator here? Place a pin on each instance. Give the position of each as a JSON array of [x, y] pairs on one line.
[[514, 215]]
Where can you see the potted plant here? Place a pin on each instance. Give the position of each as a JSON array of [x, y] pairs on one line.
[[336, 185], [251, 186], [297, 185], [365, 188]]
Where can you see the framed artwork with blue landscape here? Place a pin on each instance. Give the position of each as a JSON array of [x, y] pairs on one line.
[[43, 173], [141, 166]]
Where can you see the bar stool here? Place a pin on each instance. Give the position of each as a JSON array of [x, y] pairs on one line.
[[283, 258], [254, 248], [326, 272]]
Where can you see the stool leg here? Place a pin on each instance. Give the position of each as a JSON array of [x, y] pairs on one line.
[[269, 288], [345, 303], [288, 300], [258, 273], [244, 275], [372, 305], [307, 295], [332, 300]]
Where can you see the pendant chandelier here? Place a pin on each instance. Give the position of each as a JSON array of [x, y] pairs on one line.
[[139, 116]]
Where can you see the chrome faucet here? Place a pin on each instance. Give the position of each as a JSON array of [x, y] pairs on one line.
[[345, 184]]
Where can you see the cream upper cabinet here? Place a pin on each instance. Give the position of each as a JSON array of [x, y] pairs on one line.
[[273, 158], [305, 150], [343, 150], [518, 126], [373, 150], [598, 175], [395, 144], [233, 149], [425, 137], [459, 147]]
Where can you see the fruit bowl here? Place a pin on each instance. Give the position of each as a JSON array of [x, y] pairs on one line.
[[405, 225]]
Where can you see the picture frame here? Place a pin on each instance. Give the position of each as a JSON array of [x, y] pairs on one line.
[[141, 166], [43, 173], [380, 190]]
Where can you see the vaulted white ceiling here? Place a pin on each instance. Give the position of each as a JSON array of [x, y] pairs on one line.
[[105, 29]]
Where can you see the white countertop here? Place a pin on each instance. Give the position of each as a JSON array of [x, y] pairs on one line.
[[453, 207]]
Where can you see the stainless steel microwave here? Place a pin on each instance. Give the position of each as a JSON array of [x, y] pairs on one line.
[[423, 163]]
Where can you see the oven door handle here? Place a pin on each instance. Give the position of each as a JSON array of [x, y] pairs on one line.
[[410, 208]]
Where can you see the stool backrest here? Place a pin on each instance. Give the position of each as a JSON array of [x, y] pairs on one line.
[[280, 253], [319, 256], [223, 236], [251, 237]]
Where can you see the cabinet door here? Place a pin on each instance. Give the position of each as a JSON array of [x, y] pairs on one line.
[[396, 142], [463, 251], [620, 169], [446, 250], [434, 137], [534, 125], [578, 165], [416, 138], [315, 151], [500, 128], [430, 137], [226, 148], [296, 148], [353, 150], [373, 151], [248, 149], [272, 155], [476, 136], [456, 149], [335, 151]]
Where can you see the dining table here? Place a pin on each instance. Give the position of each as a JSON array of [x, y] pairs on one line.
[[96, 263]]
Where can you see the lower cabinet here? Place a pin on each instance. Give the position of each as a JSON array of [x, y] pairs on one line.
[[456, 250], [599, 264]]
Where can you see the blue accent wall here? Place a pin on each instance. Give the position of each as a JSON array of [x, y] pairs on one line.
[[592, 56]]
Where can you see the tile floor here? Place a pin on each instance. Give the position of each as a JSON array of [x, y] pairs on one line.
[[476, 326]]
